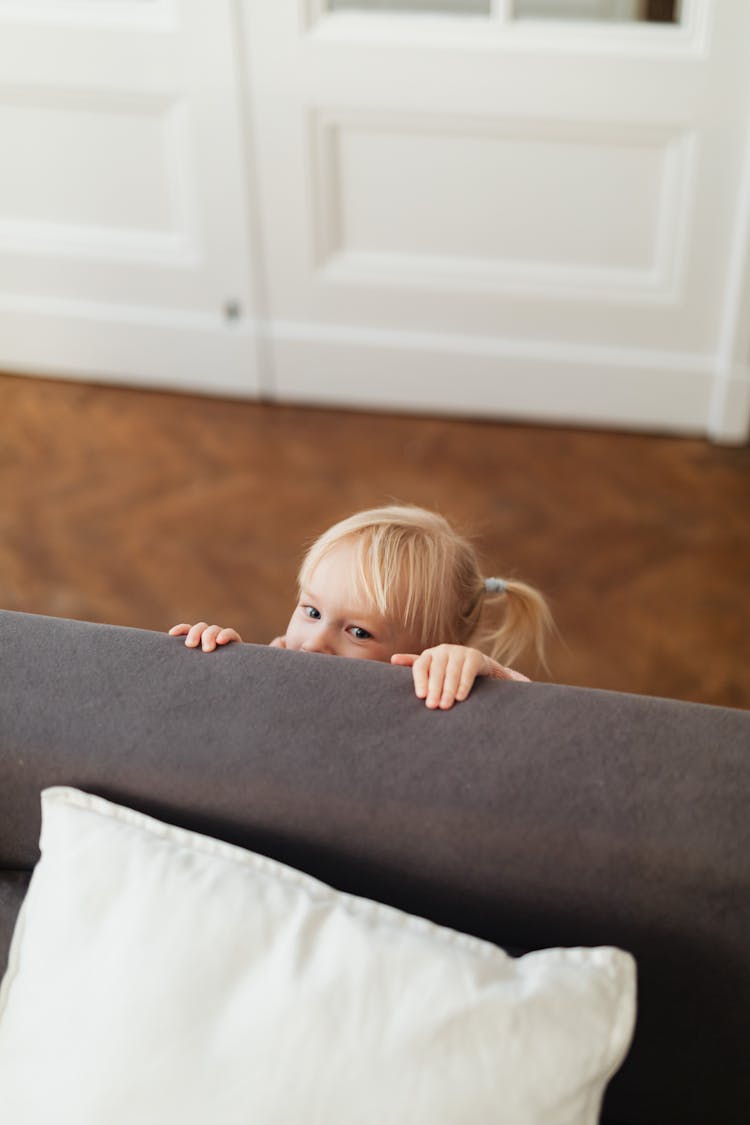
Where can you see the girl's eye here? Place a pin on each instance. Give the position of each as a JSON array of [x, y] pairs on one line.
[[360, 633], [311, 611]]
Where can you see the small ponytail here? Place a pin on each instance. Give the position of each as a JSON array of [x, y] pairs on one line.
[[526, 621]]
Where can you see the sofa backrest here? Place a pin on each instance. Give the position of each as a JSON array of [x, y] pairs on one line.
[[532, 815]]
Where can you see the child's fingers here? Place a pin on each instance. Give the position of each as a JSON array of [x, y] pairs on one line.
[[439, 661], [445, 675], [420, 671], [208, 638], [195, 632], [453, 679], [474, 665], [225, 636], [466, 683]]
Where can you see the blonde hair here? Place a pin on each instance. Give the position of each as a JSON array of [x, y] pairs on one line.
[[422, 576]]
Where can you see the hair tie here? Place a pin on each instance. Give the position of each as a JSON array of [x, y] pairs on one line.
[[494, 585]]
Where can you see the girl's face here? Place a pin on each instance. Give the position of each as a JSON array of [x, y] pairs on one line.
[[333, 617]]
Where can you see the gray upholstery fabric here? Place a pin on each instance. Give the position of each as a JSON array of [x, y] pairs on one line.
[[532, 815]]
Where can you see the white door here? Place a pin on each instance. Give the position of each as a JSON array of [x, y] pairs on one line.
[[124, 246], [506, 216]]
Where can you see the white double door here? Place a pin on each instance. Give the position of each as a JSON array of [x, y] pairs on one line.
[[484, 214]]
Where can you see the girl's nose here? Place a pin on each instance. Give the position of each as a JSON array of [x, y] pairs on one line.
[[319, 643]]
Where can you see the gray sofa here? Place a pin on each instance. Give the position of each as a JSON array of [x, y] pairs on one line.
[[531, 815]]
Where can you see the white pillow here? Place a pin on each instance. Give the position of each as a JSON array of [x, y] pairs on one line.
[[160, 977]]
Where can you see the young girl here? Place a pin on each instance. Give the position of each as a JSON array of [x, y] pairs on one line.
[[399, 584]]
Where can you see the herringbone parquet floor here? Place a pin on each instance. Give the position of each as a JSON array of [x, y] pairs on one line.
[[144, 508]]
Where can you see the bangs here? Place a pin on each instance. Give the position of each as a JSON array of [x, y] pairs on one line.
[[403, 574], [409, 566]]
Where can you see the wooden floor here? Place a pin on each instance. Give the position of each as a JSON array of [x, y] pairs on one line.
[[144, 509]]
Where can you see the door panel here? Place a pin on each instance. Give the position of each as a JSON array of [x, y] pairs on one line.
[[123, 234], [546, 213]]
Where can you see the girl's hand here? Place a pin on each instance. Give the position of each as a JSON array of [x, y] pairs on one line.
[[278, 642], [445, 674], [208, 636]]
